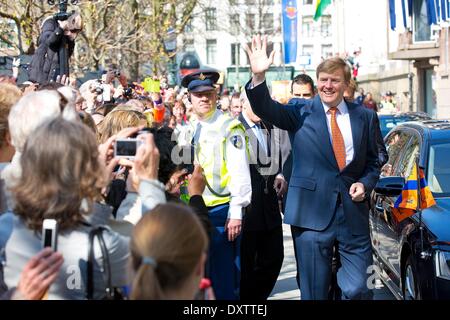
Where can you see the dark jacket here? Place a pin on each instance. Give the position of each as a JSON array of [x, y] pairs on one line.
[[263, 212], [44, 66], [316, 181]]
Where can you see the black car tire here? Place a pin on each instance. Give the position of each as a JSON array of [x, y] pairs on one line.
[[410, 281]]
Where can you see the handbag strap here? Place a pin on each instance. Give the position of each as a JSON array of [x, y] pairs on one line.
[[98, 233]]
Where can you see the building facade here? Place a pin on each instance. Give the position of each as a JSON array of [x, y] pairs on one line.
[[219, 30]]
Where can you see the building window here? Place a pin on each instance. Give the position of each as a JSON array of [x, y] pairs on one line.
[[326, 26], [188, 45], [307, 1], [235, 54], [211, 50], [234, 24], [327, 51], [422, 31], [307, 50], [210, 19], [307, 27], [250, 21], [267, 22]]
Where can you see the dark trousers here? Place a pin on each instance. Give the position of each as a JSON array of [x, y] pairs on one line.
[[335, 292], [314, 254], [262, 256], [223, 264]]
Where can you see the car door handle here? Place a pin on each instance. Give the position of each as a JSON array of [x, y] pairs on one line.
[[379, 204]]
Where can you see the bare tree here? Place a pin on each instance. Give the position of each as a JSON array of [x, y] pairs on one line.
[[162, 18], [20, 23], [126, 33]]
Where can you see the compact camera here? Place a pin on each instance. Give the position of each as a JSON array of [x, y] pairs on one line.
[[126, 148], [128, 92]]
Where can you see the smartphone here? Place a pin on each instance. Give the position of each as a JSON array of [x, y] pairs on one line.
[[126, 148], [49, 234]]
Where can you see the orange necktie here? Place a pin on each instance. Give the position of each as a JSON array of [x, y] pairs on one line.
[[338, 140]]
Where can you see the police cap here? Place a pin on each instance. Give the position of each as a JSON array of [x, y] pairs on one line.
[[200, 81]]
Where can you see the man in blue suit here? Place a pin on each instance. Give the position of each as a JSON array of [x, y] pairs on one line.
[[335, 167]]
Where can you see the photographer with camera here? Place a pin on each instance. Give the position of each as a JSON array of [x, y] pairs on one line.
[[55, 34], [91, 91]]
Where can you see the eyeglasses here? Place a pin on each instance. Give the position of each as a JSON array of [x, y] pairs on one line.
[[74, 30]]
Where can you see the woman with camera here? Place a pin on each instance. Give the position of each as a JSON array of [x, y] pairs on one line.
[[62, 175]]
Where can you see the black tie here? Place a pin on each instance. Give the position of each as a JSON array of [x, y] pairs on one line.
[[194, 141]]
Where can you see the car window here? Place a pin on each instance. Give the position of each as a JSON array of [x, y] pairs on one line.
[[408, 157], [387, 123], [395, 142], [438, 175]]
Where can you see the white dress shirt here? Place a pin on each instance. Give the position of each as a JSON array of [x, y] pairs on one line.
[[257, 131], [343, 121]]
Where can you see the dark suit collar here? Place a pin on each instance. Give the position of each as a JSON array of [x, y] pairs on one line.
[[253, 139], [357, 124], [243, 121]]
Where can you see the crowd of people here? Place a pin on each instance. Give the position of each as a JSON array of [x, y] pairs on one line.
[[203, 193]]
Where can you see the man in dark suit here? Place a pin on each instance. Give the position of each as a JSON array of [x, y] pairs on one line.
[[335, 166], [262, 233]]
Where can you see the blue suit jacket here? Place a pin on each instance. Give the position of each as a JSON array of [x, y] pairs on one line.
[[316, 180]]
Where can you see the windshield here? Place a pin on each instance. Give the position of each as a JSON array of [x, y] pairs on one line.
[[438, 176], [386, 124]]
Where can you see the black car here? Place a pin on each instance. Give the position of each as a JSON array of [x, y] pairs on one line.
[[413, 255], [389, 121]]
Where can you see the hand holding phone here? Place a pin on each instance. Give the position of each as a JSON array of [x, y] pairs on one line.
[[50, 234]]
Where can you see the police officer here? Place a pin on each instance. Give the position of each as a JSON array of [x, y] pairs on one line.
[[220, 147]]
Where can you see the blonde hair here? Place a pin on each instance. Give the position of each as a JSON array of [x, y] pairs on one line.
[[331, 65], [9, 95], [166, 246], [60, 170], [353, 86], [120, 118]]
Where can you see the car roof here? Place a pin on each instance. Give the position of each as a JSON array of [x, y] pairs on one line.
[[435, 129], [411, 115]]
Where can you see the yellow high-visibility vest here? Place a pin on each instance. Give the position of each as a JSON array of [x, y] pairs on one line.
[[210, 153]]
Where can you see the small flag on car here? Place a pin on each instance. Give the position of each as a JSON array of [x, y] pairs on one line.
[[407, 203]]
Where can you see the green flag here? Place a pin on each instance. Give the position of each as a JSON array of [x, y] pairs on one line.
[[320, 8]]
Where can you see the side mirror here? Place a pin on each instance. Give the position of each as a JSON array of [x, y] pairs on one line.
[[390, 186]]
